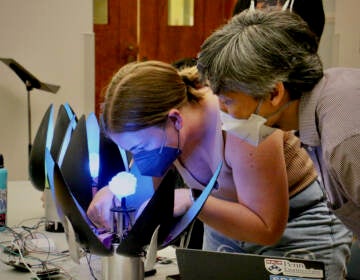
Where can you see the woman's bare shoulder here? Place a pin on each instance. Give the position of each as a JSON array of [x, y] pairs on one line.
[[236, 148]]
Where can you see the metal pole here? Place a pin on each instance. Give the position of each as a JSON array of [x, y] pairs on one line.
[[29, 122], [29, 88]]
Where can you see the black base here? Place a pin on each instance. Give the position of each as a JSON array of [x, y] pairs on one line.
[[54, 226]]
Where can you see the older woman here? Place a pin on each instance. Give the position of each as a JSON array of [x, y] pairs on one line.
[[270, 61]]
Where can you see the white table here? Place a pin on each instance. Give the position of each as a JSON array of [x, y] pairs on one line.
[[23, 202], [25, 208]]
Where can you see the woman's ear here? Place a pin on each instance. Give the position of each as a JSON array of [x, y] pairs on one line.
[[176, 118], [278, 94]]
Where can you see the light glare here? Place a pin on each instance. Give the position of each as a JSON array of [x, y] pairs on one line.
[[94, 164], [123, 184]]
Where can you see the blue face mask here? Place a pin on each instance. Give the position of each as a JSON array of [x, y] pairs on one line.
[[157, 161]]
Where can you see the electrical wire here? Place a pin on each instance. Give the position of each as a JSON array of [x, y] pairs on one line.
[[24, 262], [20, 251], [88, 260], [36, 226]]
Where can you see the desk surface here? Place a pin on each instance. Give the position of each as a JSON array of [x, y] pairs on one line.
[[23, 202], [25, 208]]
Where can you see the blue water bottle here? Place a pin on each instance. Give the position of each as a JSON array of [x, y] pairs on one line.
[[3, 193]]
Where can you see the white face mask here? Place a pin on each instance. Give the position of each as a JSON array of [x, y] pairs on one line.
[[250, 129], [247, 129]]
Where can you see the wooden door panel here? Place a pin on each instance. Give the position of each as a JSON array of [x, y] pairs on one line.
[[163, 42], [112, 43], [160, 41]]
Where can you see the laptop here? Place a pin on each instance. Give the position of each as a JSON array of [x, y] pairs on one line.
[[200, 265]]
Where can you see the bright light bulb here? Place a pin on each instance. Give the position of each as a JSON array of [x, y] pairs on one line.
[[123, 184], [94, 163]]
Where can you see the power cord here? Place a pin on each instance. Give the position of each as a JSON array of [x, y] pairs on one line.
[[88, 260]]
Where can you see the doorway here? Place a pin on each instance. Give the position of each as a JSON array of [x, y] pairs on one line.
[[149, 29]]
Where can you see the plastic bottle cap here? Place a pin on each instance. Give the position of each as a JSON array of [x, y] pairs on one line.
[[1, 161]]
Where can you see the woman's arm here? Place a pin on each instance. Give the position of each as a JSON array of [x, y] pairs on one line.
[[261, 213], [99, 209]]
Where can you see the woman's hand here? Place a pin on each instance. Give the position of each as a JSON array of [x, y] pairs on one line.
[[99, 209], [183, 201]]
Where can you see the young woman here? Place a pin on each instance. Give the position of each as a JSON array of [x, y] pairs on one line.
[[163, 117]]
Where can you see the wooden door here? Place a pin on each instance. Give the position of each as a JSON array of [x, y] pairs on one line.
[[112, 41], [142, 33]]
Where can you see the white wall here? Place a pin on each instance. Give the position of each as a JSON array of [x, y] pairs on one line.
[[347, 28], [340, 44], [53, 40]]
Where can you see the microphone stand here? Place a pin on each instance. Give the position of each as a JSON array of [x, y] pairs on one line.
[[30, 82], [28, 89]]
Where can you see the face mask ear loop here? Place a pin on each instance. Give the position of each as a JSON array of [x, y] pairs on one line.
[[284, 8], [280, 109], [178, 139], [165, 139], [252, 5], [258, 106], [164, 142]]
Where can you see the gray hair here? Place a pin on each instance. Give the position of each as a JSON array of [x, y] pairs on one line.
[[255, 50]]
